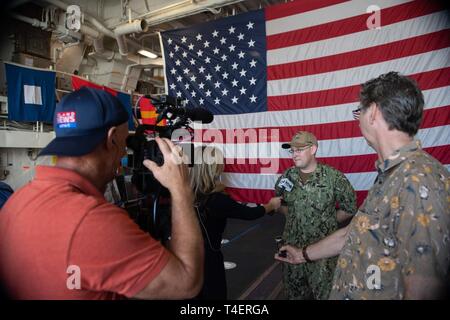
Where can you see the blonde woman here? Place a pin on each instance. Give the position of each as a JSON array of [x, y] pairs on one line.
[[214, 206]]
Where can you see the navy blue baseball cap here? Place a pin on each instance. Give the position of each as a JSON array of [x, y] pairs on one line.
[[82, 120]]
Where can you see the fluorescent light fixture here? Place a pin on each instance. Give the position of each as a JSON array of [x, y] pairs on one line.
[[147, 54]]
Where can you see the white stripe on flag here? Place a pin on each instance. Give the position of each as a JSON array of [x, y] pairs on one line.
[[434, 98], [353, 76], [430, 137], [359, 181], [361, 40], [324, 15]]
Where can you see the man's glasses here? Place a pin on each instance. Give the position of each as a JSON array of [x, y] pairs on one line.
[[298, 150]]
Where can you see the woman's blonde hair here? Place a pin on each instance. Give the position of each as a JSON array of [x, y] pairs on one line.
[[208, 166]]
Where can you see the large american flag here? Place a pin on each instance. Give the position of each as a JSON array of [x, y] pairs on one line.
[[298, 66]]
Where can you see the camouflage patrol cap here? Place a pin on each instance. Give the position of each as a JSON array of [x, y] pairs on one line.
[[301, 139]]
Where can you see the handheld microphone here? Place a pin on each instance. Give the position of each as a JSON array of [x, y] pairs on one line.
[[286, 184]]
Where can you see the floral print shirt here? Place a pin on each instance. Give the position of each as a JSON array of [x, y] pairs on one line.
[[402, 229]]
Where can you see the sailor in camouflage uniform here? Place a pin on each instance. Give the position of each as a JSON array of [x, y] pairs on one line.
[[311, 191]]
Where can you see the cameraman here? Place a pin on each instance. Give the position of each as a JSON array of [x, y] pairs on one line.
[[60, 238]]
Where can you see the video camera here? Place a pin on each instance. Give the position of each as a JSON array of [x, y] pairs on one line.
[[144, 146]]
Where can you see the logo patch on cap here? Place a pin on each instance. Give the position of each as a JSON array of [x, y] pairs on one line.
[[66, 119]]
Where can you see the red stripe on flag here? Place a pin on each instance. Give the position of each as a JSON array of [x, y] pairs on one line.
[[436, 117], [313, 99], [440, 153], [346, 164], [291, 8], [325, 131], [351, 25], [394, 50], [360, 197], [426, 80]]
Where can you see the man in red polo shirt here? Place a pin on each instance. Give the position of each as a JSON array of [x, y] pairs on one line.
[[60, 238]]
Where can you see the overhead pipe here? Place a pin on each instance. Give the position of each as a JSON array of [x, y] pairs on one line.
[[172, 11], [120, 32], [166, 8], [122, 44], [94, 34], [100, 27], [139, 62], [98, 45], [127, 73], [136, 26], [110, 55], [106, 54], [145, 61], [32, 21]]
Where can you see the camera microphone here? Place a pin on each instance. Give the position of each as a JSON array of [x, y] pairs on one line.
[[167, 104], [195, 114], [164, 100]]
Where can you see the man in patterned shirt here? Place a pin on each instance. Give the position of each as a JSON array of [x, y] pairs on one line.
[[398, 244], [311, 191]]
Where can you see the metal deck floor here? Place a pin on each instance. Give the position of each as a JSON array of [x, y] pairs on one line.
[[257, 275]]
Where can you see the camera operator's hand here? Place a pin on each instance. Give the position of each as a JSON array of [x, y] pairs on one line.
[[182, 276], [173, 174]]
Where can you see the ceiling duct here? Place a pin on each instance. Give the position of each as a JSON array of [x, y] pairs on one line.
[[136, 26]]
